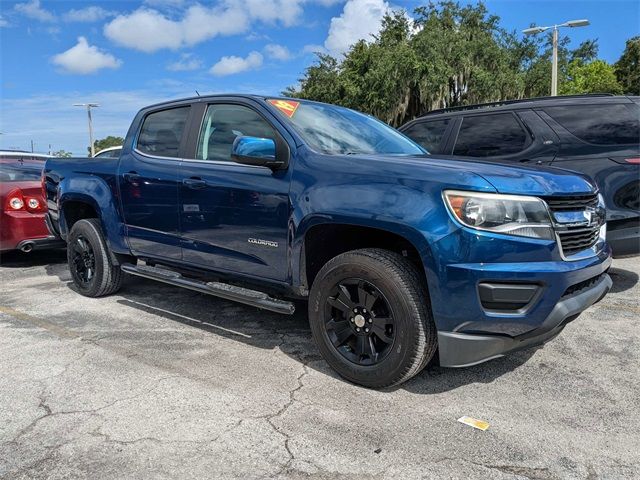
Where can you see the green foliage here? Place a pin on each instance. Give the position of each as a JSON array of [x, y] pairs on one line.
[[62, 154], [593, 77], [107, 142], [628, 67], [448, 55]]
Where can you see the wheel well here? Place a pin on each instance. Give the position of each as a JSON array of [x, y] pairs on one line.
[[323, 242], [74, 211]]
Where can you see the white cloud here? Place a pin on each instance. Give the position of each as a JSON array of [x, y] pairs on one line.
[[87, 14], [34, 10], [186, 63], [148, 29], [232, 65], [3, 22], [286, 12], [144, 30], [84, 59], [312, 48], [164, 3], [277, 52], [359, 20]]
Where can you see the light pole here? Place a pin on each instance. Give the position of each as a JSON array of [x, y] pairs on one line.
[[554, 59], [89, 107]]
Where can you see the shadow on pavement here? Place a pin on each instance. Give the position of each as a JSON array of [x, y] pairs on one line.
[[622, 279], [17, 259], [291, 334], [267, 330]]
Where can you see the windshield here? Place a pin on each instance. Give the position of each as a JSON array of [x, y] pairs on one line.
[[335, 130]]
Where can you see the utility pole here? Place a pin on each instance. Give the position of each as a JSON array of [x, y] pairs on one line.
[[89, 107], [554, 57], [31, 146]]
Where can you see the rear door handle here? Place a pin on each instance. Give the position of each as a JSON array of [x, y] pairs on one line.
[[194, 183], [131, 177]]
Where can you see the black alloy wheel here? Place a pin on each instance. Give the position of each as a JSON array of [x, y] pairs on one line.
[[370, 316], [83, 260], [94, 269], [360, 322]]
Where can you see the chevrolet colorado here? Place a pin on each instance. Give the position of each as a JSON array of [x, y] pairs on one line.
[[402, 257]]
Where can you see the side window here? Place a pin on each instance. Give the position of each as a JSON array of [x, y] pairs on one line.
[[428, 134], [222, 124], [161, 132], [490, 136], [612, 124]]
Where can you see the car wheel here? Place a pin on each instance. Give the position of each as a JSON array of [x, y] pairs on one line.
[[92, 268], [371, 318]]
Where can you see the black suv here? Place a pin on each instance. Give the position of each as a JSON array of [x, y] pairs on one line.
[[598, 135]]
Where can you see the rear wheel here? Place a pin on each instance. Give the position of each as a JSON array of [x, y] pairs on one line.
[[370, 316], [92, 268]]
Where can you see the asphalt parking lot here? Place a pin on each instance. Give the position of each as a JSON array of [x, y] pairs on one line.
[[159, 382]]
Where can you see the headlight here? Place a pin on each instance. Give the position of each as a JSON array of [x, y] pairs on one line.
[[506, 214]]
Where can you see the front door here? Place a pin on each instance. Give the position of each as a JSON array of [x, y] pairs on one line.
[[234, 217], [148, 180]]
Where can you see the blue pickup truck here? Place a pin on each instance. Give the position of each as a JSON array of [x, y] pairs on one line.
[[402, 257]]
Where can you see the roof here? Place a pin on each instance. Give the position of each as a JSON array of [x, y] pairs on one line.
[[529, 103], [21, 153]]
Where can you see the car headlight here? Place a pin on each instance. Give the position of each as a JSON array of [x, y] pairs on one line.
[[506, 214]]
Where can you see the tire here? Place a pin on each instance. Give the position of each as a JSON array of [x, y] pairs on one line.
[[90, 263], [401, 337]]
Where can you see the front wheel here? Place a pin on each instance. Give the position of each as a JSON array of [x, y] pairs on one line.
[[92, 268], [370, 316]]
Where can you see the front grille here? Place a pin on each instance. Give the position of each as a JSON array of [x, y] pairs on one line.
[[576, 239], [571, 204]]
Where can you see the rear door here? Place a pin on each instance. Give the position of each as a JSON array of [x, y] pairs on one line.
[[234, 217], [504, 137], [148, 182], [601, 139]]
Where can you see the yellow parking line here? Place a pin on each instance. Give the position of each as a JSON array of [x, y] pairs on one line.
[[39, 322]]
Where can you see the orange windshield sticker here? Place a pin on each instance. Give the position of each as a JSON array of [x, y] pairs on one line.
[[288, 107]]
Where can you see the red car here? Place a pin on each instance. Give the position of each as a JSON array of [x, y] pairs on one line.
[[22, 207]]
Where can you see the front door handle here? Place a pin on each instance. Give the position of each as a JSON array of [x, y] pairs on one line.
[[131, 177], [194, 183]]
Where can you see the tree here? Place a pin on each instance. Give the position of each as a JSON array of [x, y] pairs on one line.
[[62, 154], [447, 55], [628, 67], [107, 142], [593, 77]]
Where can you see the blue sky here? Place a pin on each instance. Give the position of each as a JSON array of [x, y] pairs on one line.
[[128, 54]]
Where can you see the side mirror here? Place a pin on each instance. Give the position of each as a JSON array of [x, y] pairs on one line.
[[256, 151]]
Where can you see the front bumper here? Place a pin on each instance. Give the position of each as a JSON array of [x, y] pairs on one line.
[[462, 350]]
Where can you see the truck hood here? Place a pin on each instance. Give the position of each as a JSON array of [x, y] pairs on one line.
[[509, 179]]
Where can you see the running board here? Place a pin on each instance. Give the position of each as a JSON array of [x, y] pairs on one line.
[[222, 290]]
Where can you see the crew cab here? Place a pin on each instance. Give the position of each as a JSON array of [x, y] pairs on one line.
[[402, 256]]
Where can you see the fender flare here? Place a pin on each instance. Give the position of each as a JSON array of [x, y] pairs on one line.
[[97, 193]]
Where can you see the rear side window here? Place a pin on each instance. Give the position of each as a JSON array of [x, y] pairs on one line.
[[162, 131], [490, 136], [612, 124], [428, 134]]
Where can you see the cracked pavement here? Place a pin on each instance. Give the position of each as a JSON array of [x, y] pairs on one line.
[[160, 382]]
